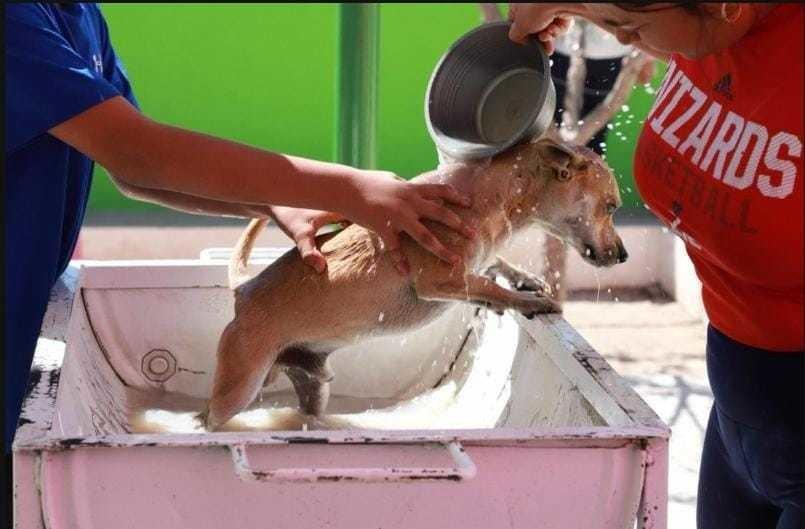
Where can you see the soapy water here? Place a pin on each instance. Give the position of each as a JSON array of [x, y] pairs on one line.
[[177, 413]]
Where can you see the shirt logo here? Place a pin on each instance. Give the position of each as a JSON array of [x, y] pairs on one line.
[[723, 86], [734, 150], [97, 62]]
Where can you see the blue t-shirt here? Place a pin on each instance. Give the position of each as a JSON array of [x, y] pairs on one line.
[[59, 63]]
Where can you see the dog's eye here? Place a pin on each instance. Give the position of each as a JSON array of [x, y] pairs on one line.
[[611, 208]]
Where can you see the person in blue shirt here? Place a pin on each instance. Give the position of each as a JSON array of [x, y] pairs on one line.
[[69, 104]]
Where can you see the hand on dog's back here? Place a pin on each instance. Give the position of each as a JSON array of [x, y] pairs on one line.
[[389, 206]]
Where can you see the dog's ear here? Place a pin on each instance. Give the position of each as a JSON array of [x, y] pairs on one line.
[[557, 157]]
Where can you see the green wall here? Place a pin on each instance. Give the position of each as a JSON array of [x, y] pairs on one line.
[[264, 74]]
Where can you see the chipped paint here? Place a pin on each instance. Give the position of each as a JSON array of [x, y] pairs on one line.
[[626, 431], [463, 470]]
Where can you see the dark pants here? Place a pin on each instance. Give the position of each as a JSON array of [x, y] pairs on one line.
[[601, 75], [751, 473]]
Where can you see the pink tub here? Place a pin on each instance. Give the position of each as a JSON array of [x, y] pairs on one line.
[[477, 421]]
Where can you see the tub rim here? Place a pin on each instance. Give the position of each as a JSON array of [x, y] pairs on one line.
[[579, 362]]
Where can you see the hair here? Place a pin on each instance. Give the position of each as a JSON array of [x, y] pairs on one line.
[[640, 5]]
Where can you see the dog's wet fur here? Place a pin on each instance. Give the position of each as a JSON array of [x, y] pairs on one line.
[[290, 318]]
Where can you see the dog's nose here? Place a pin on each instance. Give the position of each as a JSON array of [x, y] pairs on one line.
[[623, 255]]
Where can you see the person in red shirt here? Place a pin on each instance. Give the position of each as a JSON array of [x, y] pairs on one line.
[[719, 160]]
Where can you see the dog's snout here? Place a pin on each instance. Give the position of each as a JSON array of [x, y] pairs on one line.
[[623, 255]]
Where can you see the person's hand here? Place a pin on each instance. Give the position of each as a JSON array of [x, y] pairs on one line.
[[389, 206], [546, 21], [301, 225]]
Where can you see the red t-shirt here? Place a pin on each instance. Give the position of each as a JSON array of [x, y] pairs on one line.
[[720, 161]]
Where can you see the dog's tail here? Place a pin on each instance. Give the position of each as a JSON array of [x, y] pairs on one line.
[[240, 254]]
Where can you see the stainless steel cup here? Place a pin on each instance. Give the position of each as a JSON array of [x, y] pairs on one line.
[[488, 93]]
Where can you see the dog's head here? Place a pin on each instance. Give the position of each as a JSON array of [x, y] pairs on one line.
[[577, 200]]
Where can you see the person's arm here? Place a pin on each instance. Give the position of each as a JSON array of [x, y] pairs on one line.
[[143, 153], [299, 224], [190, 203]]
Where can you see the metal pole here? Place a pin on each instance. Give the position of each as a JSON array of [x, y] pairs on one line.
[[356, 89]]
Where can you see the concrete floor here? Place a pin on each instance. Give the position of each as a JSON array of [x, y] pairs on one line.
[[660, 349]]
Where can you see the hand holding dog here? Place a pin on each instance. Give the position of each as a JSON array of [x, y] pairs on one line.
[[385, 204], [389, 206], [301, 225]]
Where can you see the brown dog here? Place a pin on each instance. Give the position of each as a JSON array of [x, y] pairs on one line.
[[285, 318]]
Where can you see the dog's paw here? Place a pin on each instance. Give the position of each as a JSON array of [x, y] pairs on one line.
[[541, 304], [201, 418], [531, 283]]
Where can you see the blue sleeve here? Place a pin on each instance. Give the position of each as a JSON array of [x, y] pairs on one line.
[[111, 63], [47, 82]]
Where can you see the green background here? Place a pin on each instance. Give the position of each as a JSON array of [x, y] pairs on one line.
[[264, 74]]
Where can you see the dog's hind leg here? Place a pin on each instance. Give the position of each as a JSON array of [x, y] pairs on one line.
[[310, 375], [244, 361], [313, 393]]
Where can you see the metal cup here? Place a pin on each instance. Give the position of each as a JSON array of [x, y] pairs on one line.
[[488, 93]]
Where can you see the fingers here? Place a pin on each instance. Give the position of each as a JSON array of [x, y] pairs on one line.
[[439, 213], [311, 256], [518, 33], [541, 20], [322, 219], [427, 240], [391, 241], [444, 191]]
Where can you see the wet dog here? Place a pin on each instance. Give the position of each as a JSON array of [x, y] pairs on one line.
[[290, 318]]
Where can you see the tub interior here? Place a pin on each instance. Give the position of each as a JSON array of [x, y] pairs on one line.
[[140, 358]]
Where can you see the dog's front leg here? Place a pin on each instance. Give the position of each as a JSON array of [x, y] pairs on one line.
[[483, 291], [519, 279]]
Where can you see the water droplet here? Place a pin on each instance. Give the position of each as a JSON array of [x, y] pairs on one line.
[[625, 108], [381, 316]]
